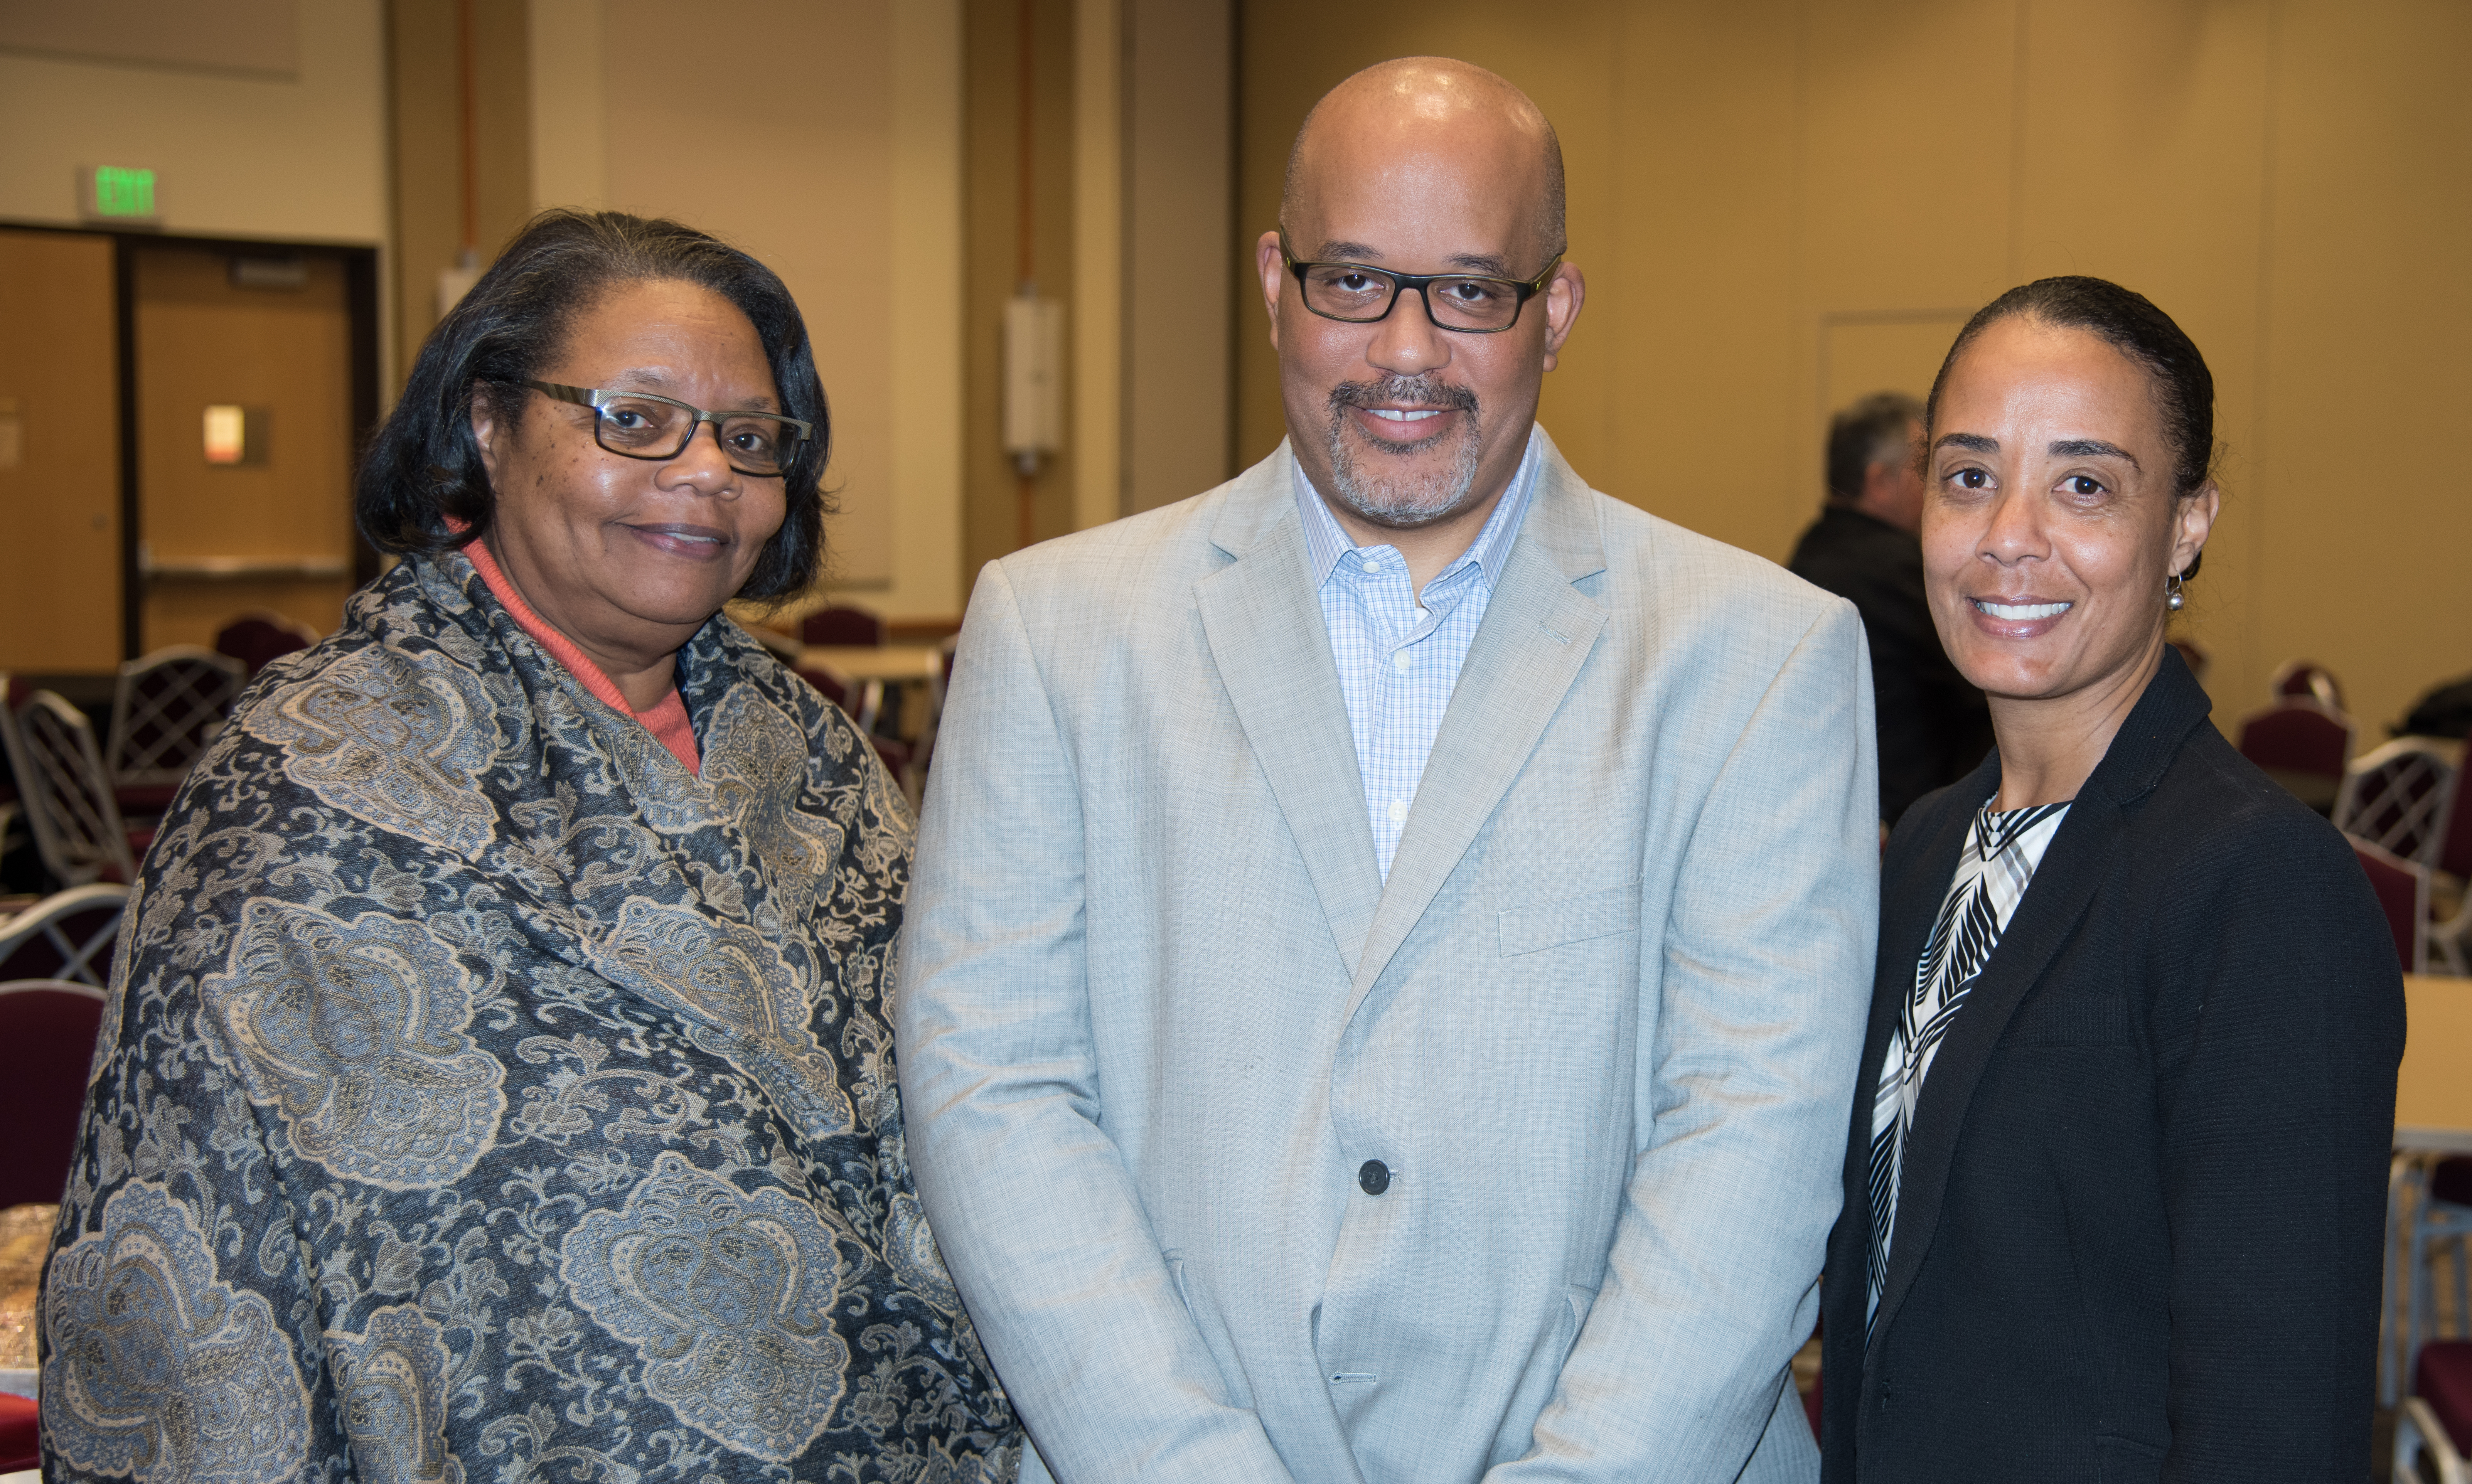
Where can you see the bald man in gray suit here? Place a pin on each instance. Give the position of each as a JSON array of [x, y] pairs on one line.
[[1391, 936]]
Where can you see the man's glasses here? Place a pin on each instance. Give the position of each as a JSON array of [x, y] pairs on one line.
[[1470, 303], [639, 425]]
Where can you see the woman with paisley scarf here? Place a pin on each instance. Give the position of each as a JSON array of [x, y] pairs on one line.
[[498, 1078]]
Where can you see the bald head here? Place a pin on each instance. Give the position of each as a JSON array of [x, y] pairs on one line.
[[1396, 111]]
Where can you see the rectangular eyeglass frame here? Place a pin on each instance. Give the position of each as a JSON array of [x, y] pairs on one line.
[[598, 397], [1400, 283]]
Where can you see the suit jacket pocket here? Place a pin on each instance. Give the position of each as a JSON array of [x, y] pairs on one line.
[[1592, 914]]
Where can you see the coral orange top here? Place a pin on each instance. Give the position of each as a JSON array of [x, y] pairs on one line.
[[667, 720]]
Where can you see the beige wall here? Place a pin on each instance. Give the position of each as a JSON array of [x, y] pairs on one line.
[[299, 158], [841, 168], [1781, 205]]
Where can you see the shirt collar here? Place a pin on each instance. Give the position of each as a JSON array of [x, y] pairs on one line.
[[1325, 543]]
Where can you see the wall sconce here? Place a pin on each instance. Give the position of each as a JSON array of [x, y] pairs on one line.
[[1033, 383]]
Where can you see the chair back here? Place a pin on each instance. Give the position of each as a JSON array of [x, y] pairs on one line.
[[2298, 737], [2403, 894], [68, 801], [67, 935], [2455, 845], [166, 708], [48, 1027], [261, 636], [2306, 681], [855, 627], [2399, 796]]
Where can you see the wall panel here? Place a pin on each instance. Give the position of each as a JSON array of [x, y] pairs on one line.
[[1781, 204]]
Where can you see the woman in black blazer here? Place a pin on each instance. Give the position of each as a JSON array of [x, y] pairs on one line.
[[2115, 1194]]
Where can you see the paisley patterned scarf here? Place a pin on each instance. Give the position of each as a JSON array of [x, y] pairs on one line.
[[485, 1095]]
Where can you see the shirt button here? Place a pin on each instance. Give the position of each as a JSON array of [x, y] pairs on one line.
[[1371, 566], [1373, 1177], [1400, 662], [1398, 811]]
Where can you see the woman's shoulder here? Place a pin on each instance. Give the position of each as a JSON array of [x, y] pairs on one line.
[[2214, 808]]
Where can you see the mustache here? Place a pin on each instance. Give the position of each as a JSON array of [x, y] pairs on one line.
[[1402, 392]]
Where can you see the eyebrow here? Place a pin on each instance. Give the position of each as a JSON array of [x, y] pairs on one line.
[[655, 380], [2092, 448], [1492, 264], [2060, 448]]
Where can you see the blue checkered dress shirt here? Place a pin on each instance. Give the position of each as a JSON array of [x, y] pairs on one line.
[[1397, 661]]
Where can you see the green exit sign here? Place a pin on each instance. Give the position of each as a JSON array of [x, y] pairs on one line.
[[119, 193]]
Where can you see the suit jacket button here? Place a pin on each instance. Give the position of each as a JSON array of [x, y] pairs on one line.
[[1373, 1176]]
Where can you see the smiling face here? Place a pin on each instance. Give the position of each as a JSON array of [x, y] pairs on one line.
[[629, 557], [1417, 168], [2050, 522]]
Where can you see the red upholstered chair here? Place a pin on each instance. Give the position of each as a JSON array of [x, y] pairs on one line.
[[20, 1444], [838, 626], [2403, 892], [2302, 745], [49, 1026], [2306, 681], [2436, 1420], [262, 635]]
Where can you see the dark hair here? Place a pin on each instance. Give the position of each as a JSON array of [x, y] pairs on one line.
[[2184, 390], [1879, 429], [422, 471]]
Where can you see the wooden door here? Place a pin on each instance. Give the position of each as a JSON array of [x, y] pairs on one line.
[[59, 454], [268, 333]]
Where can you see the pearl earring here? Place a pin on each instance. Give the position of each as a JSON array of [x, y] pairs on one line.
[[2172, 596]]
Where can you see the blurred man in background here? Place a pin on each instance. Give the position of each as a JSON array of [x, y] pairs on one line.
[[1933, 726]]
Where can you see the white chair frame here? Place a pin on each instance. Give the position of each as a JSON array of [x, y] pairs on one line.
[[67, 797], [2377, 781], [206, 686], [45, 918], [2418, 1435]]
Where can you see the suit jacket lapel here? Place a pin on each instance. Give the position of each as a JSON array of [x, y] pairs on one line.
[[1264, 624], [1537, 632], [2081, 857]]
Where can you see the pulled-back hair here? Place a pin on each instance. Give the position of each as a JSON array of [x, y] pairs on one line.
[[2127, 320], [421, 485]]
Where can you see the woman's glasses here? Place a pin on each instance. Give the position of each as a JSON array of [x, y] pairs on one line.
[[639, 425]]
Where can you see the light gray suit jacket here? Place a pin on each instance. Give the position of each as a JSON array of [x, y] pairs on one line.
[[1159, 1007]]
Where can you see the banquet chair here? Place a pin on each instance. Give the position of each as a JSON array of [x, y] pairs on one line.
[[2301, 744], [260, 636], [2306, 681], [2402, 888], [77, 824], [49, 1026], [67, 935], [853, 627], [2399, 797], [166, 708], [2437, 1419]]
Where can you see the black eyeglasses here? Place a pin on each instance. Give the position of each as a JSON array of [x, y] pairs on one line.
[[1359, 293], [639, 425]]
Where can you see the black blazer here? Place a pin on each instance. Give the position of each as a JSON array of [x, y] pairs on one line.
[[2143, 1207]]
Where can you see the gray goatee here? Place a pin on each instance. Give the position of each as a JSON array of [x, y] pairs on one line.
[[1400, 497]]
